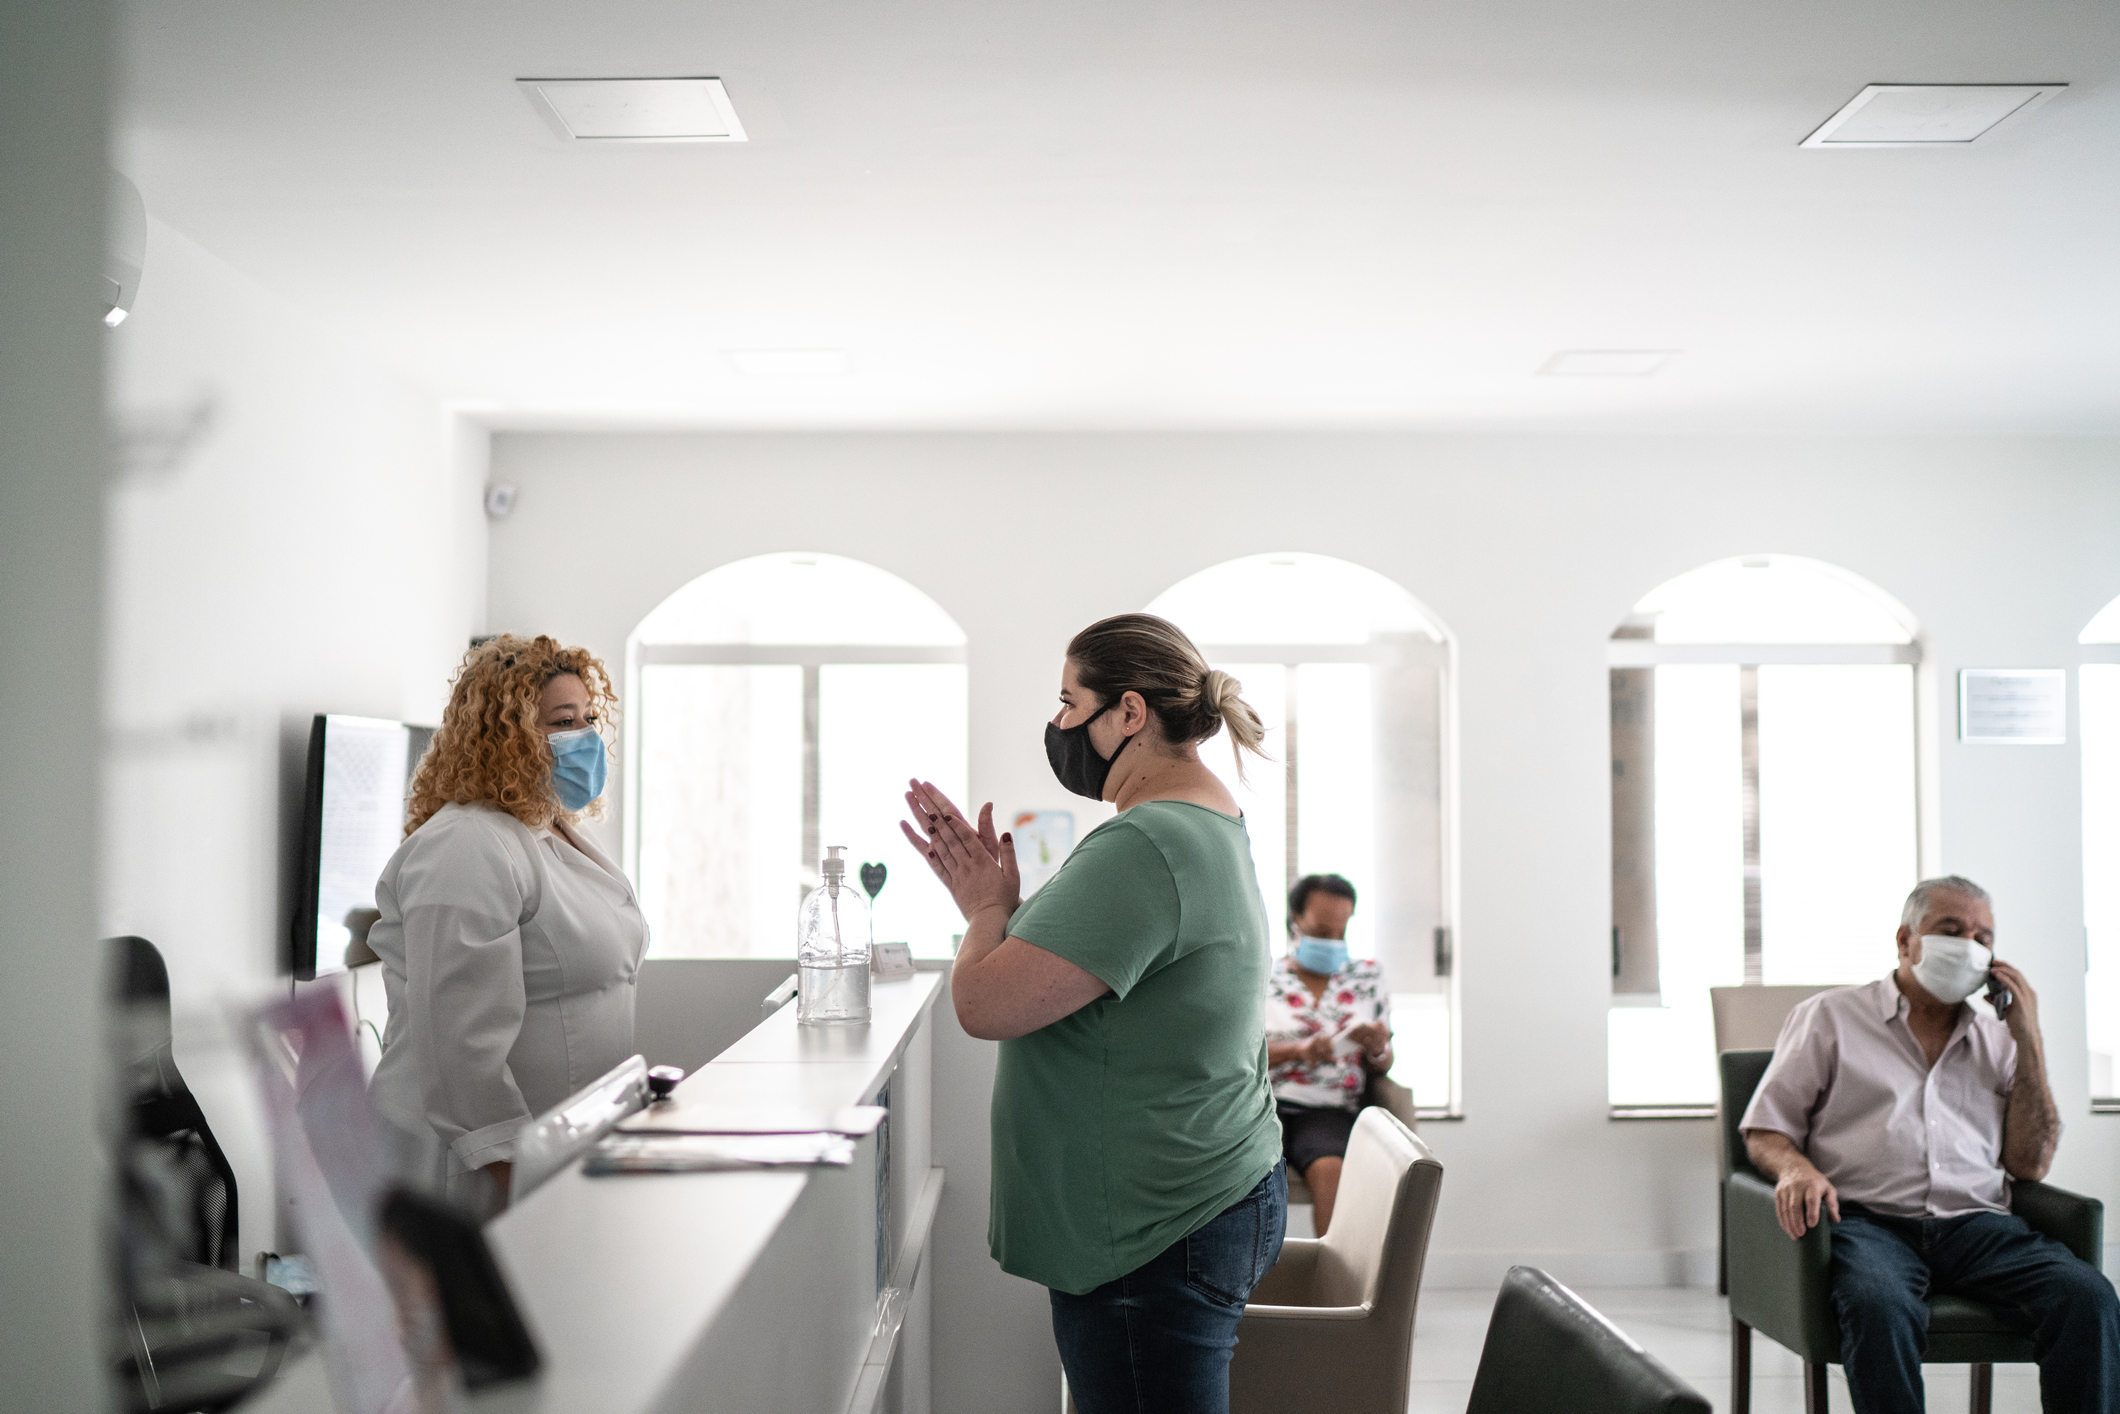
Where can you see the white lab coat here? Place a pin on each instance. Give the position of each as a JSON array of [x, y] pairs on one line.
[[510, 958]]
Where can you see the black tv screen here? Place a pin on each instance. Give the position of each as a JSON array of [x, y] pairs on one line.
[[353, 819]]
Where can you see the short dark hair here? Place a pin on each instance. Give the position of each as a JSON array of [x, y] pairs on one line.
[[1299, 896]]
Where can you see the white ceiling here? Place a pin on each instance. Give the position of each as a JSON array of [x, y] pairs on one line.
[[1166, 212]]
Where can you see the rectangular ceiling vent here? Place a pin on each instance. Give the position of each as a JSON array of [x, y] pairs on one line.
[[1927, 114], [791, 363], [635, 110], [1606, 363]]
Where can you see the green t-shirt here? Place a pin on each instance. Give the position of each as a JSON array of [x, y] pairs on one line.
[[1137, 1120]]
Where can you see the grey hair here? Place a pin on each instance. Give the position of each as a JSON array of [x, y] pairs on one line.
[[1925, 893]]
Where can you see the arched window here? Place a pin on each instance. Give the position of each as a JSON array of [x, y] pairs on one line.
[[2098, 700], [1764, 807], [777, 705], [1353, 678]]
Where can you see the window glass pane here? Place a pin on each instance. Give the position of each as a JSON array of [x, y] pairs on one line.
[[1369, 760], [1291, 598], [1264, 796], [2104, 626], [879, 723], [800, 598], [721, 809], [1421, 1046], [2100, 705], [1773, 599], [1665, 1054], [1335, 788], [1836, 819]]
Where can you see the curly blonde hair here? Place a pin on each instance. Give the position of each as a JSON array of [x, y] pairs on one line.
[[490, 748]]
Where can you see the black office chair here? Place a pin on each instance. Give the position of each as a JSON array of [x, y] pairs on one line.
[[194, 1334], [163, 1113], [1783, 1287], [1550, 1352]]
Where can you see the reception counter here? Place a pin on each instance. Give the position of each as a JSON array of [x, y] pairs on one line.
[[765, 1292]]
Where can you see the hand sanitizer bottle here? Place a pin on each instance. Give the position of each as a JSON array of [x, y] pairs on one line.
[[832, 946]]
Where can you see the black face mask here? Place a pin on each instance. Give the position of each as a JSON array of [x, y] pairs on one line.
[[1075, 761]]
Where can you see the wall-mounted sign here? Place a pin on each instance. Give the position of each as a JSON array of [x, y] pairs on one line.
[[2013, 706]]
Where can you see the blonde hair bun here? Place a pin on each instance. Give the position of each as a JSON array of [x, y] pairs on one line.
[[1152, 656]]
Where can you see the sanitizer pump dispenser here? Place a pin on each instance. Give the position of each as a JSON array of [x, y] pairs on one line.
[[833, 941]]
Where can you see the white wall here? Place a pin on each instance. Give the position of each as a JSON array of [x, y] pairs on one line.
[[1531, 549], [54, 85], [315, 544]]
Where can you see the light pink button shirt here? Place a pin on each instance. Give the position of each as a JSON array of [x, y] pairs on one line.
[[1852, 1088]]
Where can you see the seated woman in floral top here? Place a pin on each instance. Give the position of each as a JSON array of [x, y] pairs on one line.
[[1326, 1034]]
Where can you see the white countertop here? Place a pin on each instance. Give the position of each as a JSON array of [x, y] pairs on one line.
[[619, 1278]]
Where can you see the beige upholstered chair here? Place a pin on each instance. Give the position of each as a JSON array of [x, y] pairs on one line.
[[1383, 1092], [1746, 1019], [1750, 1018], [1331, 1326]]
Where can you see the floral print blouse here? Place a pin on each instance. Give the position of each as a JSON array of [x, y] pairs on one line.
[[1354, 996]]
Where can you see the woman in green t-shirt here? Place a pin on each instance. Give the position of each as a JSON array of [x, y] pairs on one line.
[[1137, 1168]]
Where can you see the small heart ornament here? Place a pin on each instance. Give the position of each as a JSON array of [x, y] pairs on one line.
[[872, 877]]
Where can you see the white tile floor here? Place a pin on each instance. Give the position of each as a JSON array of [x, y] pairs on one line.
[[1689, 1330]]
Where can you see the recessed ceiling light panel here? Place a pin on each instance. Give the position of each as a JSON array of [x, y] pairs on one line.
[[1927, 114], [636, 110], [1606, 363], [791, 363]]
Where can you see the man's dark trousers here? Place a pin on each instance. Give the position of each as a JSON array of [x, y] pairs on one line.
[[1884, 1270]]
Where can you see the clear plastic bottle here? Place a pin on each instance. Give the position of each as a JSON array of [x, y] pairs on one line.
[[833, 941]]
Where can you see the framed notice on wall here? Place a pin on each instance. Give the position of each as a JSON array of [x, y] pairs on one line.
[[2013, 706]]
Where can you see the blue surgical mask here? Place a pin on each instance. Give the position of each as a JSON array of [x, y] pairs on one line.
[[578, 766], [1323, 956]]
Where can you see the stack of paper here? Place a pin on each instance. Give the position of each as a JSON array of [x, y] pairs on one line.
[[709, 1153]]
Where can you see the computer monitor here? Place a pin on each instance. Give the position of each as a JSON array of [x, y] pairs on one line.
[[353, 819]]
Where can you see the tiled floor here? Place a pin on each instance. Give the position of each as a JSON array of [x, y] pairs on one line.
[[1686, 1328]]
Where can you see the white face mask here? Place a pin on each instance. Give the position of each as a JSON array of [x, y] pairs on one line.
[[1952, 969]]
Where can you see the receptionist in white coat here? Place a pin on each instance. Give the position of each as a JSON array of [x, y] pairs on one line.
[[510, 944]]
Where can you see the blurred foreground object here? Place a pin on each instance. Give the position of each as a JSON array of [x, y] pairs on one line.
[[189, 1332]]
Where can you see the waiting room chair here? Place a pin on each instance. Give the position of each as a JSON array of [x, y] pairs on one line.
[[1385, 1094], [1750, 1018], [1550, 1352], [1746, 1019], [1782, 1288], [1331, 1326]]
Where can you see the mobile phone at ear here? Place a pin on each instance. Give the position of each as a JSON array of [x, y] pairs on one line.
[[1999, 997]]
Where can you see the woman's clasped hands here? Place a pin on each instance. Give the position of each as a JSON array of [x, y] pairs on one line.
[[977, 866]]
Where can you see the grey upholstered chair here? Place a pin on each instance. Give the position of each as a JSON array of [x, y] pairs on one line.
[[1746, 1019], [1781, 1286]]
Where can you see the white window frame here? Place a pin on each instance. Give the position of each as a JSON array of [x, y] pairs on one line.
[[2090, 655], [812, 658], [1397, 651], [1634, 955]]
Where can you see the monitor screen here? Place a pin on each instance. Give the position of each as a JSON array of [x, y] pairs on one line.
[[353, 819]]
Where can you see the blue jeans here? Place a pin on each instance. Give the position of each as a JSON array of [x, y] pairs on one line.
[[1884, 1269], [1158, 1340]]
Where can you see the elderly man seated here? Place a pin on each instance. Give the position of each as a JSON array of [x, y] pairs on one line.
[[1901, 1114]]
